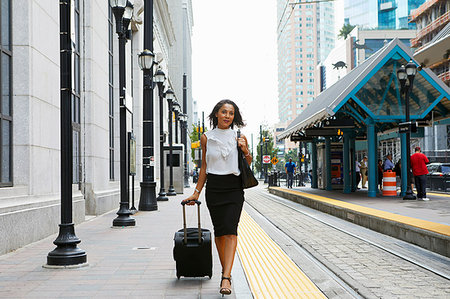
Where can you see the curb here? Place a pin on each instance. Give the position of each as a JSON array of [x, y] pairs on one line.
[[418, 236]]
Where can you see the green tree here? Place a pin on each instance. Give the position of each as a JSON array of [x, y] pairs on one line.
[[293, 154], [194, 138], [271, 151], [345, 30]]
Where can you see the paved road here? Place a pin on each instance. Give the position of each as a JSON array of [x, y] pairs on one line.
[[371, 271]]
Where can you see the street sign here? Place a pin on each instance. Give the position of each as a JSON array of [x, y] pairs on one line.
[[274, 160], [266, 159]]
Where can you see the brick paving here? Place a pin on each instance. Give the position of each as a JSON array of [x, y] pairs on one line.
[[374, 272], [116, 267]]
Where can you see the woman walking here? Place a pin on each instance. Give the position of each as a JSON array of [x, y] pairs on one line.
[[224, 192]]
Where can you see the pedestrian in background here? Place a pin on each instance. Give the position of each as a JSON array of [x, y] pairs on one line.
[[358, 173], [224, 192], [363, 170], [388, 164], [380, 173], [289, 167], [419, 168]]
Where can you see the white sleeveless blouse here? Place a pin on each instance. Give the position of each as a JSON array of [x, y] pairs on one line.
[[221, 152]]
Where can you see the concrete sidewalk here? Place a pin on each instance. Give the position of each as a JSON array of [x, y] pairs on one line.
[[134, 262]]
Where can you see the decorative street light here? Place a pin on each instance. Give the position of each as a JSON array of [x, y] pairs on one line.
[[177, 110], [123, 11], [183, 123], [159, 79], [185, 132], [266, 178], [170, 96], [66, 252], [146, 59], [403, 73]]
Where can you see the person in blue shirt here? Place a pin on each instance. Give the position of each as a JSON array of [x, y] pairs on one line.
[[289, 167], [388, 164]]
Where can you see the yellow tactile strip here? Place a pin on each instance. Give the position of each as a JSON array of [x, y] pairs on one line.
[[419, 223], [438, 194], [270, 272]]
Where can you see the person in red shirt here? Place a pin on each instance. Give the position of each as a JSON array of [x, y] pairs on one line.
[[419, 168]]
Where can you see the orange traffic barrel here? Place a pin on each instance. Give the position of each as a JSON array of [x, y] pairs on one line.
[[389, 183]]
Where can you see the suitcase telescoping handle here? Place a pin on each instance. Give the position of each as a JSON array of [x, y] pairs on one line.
[[184, 222]]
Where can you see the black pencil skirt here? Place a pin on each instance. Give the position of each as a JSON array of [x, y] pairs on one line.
[[224, 199]]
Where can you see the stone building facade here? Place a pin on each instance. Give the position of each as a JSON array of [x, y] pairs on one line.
[[30, 107]]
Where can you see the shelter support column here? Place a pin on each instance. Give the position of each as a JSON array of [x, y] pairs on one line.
[[328, 163], [376, 165], [352, 162], [346, 166], [372, 155], [314, 164], [404, 163]]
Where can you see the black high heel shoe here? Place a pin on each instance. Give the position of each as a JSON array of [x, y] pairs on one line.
[[225, 291]]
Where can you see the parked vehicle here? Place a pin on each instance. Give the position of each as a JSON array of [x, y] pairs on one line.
[[438, 178]]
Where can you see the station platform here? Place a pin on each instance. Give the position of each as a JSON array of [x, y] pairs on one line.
[[423, 223]]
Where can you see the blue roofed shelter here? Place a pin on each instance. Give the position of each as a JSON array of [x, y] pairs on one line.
[[365, 102]]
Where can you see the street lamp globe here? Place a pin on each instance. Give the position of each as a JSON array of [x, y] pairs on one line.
[[176, 106], [159, 76], [170, 95], [401, 75], [128, 11], [127, 15], [145, 60], [411, 69], [118, 3]]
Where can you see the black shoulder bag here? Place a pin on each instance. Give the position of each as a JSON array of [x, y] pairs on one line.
[[248, 179]]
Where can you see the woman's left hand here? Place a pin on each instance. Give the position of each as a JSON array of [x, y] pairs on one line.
[[242, 143]]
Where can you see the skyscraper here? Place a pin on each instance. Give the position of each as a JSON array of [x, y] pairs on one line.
[[380, 14], [305, 36]]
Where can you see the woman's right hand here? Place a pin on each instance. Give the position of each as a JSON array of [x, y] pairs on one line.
[[191, 199]]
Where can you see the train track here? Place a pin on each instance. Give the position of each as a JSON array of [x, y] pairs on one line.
[[424, 259]]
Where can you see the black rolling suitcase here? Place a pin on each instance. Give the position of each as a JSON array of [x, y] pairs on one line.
[[192, 251]]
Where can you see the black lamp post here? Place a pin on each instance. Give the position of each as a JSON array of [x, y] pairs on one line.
[[123, 11], [266, 179], [170, 96], [66, 252], [177, 110], [402, 74], [159, 79], [183, 123], [146, 58]]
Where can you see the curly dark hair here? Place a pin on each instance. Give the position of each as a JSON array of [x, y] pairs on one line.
[[237, 120]]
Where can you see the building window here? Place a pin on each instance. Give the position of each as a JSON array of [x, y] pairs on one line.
[[111, 92], [76, 96], [6, 98]]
